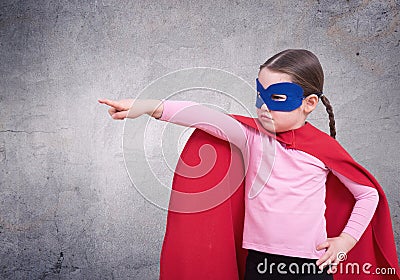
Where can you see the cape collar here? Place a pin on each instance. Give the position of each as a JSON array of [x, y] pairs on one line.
[[288, 137]]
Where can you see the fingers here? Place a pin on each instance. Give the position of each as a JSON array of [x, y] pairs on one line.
[[331, 262], [324, 258], [114, 104], [333, 267], [104, 101], [112, 111], [117, 115], [323, 246], [327, 259], [117, 112], [334, 254], [120, 115]]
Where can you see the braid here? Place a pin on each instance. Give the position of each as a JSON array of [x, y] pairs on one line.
[[329, 109]]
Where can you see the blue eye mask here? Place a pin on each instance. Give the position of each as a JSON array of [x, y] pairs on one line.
[[284, 97]]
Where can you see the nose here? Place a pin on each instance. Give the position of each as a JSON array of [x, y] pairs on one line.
[[264, 107]]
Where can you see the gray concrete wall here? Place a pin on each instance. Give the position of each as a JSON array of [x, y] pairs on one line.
[[68, 209]]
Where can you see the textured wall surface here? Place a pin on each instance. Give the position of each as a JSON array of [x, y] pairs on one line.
[[68, 209]]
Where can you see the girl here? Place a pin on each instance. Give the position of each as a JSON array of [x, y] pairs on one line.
[[284, 221]]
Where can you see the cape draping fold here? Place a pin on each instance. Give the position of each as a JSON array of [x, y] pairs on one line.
[[207, 244]]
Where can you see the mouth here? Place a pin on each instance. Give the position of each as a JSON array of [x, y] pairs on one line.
[[265, 117]]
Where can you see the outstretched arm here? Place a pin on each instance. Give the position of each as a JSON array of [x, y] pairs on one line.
[[131, 108], [184, 113]]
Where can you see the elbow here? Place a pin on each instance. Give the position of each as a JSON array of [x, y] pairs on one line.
[[376, 197], [373, 197]]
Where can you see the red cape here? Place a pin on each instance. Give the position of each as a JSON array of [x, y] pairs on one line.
[[207, 244]]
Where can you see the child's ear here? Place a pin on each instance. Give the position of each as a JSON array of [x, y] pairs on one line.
[[310, 102]]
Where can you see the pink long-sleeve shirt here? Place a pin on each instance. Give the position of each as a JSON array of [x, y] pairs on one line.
[[285, 188]]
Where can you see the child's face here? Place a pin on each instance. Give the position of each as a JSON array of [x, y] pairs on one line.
[[279, 121]]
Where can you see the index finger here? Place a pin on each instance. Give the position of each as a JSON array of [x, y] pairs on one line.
[[323, 246], [110, 103]]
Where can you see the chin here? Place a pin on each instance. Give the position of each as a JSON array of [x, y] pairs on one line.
[[268, 125]]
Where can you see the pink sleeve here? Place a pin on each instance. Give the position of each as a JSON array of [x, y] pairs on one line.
[[367, 199], [214, 122]]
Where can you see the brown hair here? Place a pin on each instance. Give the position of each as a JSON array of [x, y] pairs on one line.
[[306, 70]]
